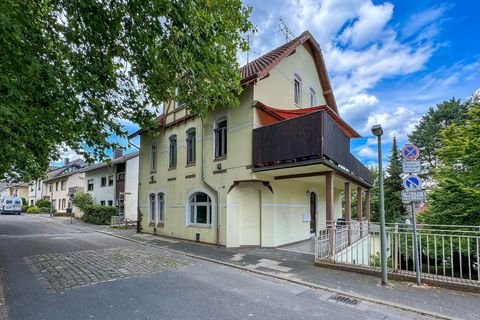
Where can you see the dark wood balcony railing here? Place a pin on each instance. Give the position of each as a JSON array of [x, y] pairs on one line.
[[305, 138]]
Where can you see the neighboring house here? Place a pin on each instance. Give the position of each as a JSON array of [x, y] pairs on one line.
[[63, 182], [4, 190], [35, 188], [115, 183], [269, 172], [17, 190]]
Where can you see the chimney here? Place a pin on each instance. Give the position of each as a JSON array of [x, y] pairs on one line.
[[117, 153], [66, 161]]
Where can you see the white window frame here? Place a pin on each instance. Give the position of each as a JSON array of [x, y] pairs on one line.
[[297, 94], [313, 97], [188, 209], [88, 184], [151, 207], [191, 144], [110, 179], [153, 156], [217, 136], [160, 207]]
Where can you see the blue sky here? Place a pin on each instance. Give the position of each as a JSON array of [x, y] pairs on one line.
[[388, 61]]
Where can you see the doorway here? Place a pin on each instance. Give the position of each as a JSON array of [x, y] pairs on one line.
[[313, 213]]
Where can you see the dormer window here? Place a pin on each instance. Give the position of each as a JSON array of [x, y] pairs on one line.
[[297, 90], [178, 102], [313, 98]]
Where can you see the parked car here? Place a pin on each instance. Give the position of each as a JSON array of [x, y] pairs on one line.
[[11, 205]]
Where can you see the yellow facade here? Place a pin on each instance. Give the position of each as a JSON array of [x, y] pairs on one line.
[[254, 208]]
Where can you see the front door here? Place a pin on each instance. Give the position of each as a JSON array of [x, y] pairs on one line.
[[313, 213]]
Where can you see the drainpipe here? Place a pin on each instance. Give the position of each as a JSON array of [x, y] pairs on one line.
[[217, 213], [139, 216]]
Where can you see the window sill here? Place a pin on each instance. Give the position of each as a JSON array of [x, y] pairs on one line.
[[172, 168], [153, 171], [160, 224], [198, 225], [192, 164], [220, 158]]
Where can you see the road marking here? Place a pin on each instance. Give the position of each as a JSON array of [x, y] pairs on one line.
[[237, 257]]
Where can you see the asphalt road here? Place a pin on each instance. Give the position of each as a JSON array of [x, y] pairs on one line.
[[53, 271]]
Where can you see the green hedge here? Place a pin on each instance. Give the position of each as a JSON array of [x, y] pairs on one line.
[[97, 214], [33, 210]]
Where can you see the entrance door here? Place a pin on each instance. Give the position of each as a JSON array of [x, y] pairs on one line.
[[313, 213]]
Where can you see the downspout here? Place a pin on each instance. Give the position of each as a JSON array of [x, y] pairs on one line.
[[139, 216], [217, 213]]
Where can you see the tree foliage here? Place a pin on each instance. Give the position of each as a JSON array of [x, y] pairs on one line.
[[394, 208], [426, 134], [72, 70], [456, 200]]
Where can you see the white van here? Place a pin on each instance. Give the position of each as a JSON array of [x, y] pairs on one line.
[[11, 205]]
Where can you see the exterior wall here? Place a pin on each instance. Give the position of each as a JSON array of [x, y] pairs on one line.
[[131, 188], [75, 180], [180, 183], [100, 193], [35, 191], [281, 82], [18, 191]]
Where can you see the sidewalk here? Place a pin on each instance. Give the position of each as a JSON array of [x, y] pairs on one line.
[[299, 268]]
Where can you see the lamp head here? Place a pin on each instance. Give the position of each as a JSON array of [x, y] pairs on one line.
[[377, 130]]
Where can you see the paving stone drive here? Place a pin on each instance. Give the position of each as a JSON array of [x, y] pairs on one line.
[[58, 272]]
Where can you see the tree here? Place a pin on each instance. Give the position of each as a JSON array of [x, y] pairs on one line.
[[426, 134], [374, 196], [83, 200], [394, 208], [71, 71], [456, 199]]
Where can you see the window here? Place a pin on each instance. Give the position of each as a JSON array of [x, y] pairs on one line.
[[90, 185], [173, 152], [31, 188], [56, 186], [110, 203], [178, 103], [63, 185], [102, 203], [221, 138], [200, 209], [31, 202], [103, 182], [313, 98], [39, 185], [50, 187], [54, 203], [121, 176], [152, 208], [191, 137], [160, 207], [153, 157], [110, 181], [64, 202], [297, 90]]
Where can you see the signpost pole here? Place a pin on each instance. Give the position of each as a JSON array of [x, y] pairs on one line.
[[415, 245]]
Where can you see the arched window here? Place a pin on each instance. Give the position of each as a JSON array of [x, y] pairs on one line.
[[297, 89], [221, 138], [153, 157], [200, 209], [173, 152], [152, 208], [191, 148], [313, 98], [160, 207]]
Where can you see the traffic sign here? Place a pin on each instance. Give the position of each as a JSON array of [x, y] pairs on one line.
[[413, 166], [412, 182], [413, 196], [410, 152]]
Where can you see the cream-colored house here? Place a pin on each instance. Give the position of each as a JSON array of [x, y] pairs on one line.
[[63, 182], [269, 172]]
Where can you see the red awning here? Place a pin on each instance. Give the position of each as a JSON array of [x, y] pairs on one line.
[[283, 114]]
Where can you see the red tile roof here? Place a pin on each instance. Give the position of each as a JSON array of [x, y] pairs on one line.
[[260, 67]]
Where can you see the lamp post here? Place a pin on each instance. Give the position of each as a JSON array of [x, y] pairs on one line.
[[378, 132]]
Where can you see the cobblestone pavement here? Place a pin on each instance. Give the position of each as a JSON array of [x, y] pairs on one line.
[[58, 272]]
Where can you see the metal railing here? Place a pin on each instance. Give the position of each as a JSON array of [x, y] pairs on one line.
[[447, 253], [122, 221]]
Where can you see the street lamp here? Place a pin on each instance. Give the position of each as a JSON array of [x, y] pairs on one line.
[[378, 132]]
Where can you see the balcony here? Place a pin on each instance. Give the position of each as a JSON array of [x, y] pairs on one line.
[[311, 138]]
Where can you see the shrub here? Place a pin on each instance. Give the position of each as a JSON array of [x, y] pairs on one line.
[[43, 204], [34, 210], [25, 208], [83, 200], [97, 214], [45, 210]]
